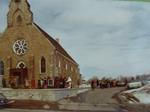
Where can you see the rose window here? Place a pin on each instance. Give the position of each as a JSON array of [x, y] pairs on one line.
[[20, 47]]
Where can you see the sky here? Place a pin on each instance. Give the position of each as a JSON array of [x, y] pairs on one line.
[[106, 37]]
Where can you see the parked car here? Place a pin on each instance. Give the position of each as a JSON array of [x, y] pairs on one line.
[[3, 100], [121, 84], [134, 85]]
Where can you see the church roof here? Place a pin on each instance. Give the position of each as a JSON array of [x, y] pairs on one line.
[[55, 44]]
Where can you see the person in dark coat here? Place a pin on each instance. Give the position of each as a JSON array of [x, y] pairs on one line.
[[92, 84]]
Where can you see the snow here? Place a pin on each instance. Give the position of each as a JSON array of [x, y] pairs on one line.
[[82, 91], [143, 97], [85, 86], [69, 79], [142, 94]]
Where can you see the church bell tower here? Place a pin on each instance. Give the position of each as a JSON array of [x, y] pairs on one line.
[[19, 13]]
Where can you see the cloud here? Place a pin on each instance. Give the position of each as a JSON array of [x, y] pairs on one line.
[[3, 11], [106, 38]]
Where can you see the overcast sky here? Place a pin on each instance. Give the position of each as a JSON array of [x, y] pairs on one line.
[[105, 37]]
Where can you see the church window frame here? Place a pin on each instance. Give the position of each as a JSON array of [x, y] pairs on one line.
[[21, 64], [20, 47], [2, 67], [66, 66], [19, 20], [71, 68], [59, 64], [43, 65], [17, 1]]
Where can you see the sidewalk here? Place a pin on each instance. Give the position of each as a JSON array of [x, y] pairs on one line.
[[88, 107], [33, 104]]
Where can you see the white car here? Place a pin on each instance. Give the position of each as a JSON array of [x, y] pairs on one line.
[[134, 85]]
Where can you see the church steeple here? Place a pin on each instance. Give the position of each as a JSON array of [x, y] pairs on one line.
[[19, 13]]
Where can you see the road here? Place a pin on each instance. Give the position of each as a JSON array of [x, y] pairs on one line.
[[25, 110], [98, 96], [98, 100]]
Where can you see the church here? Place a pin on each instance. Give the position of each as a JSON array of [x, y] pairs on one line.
[[28, 54]]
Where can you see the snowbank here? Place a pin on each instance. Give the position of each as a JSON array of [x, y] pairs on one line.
[[140, 95], [85, 86]]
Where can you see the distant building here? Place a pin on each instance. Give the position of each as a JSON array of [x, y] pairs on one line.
[[29, 53]]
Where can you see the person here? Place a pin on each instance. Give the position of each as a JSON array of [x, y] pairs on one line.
[[61, 82], [42, 83], [27, 85], [12, 83], [56, 82], [32, 83], [69, 82], [39, 84], [49, 82], [97, 83], [45, 83], [92, 84]]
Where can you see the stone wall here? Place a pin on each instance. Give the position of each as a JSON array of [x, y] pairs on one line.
[[41, 94]]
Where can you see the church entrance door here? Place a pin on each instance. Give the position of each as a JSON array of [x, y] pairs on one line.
[[18, 77]]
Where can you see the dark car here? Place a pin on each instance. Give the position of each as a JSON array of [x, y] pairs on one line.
[[3, 100]]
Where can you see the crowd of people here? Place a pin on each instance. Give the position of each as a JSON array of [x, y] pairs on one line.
[[106, 83], [42, 83], [56, 82]]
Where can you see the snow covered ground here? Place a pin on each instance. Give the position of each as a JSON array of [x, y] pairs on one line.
[[85, 86], [140, 95]]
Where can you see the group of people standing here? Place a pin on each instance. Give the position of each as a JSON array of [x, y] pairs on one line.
[[56, 82], [105, 83], [42, 83]]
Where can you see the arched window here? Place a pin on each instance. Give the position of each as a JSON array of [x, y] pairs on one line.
[[17, 1], [1, 67], [19, 20], [59, 64], [43, 65], [21, 64], [66, 66]]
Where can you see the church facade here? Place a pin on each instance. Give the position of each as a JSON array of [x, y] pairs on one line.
[[29, 54]]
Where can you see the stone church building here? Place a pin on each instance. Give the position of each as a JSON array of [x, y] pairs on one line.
[[28, 53]]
